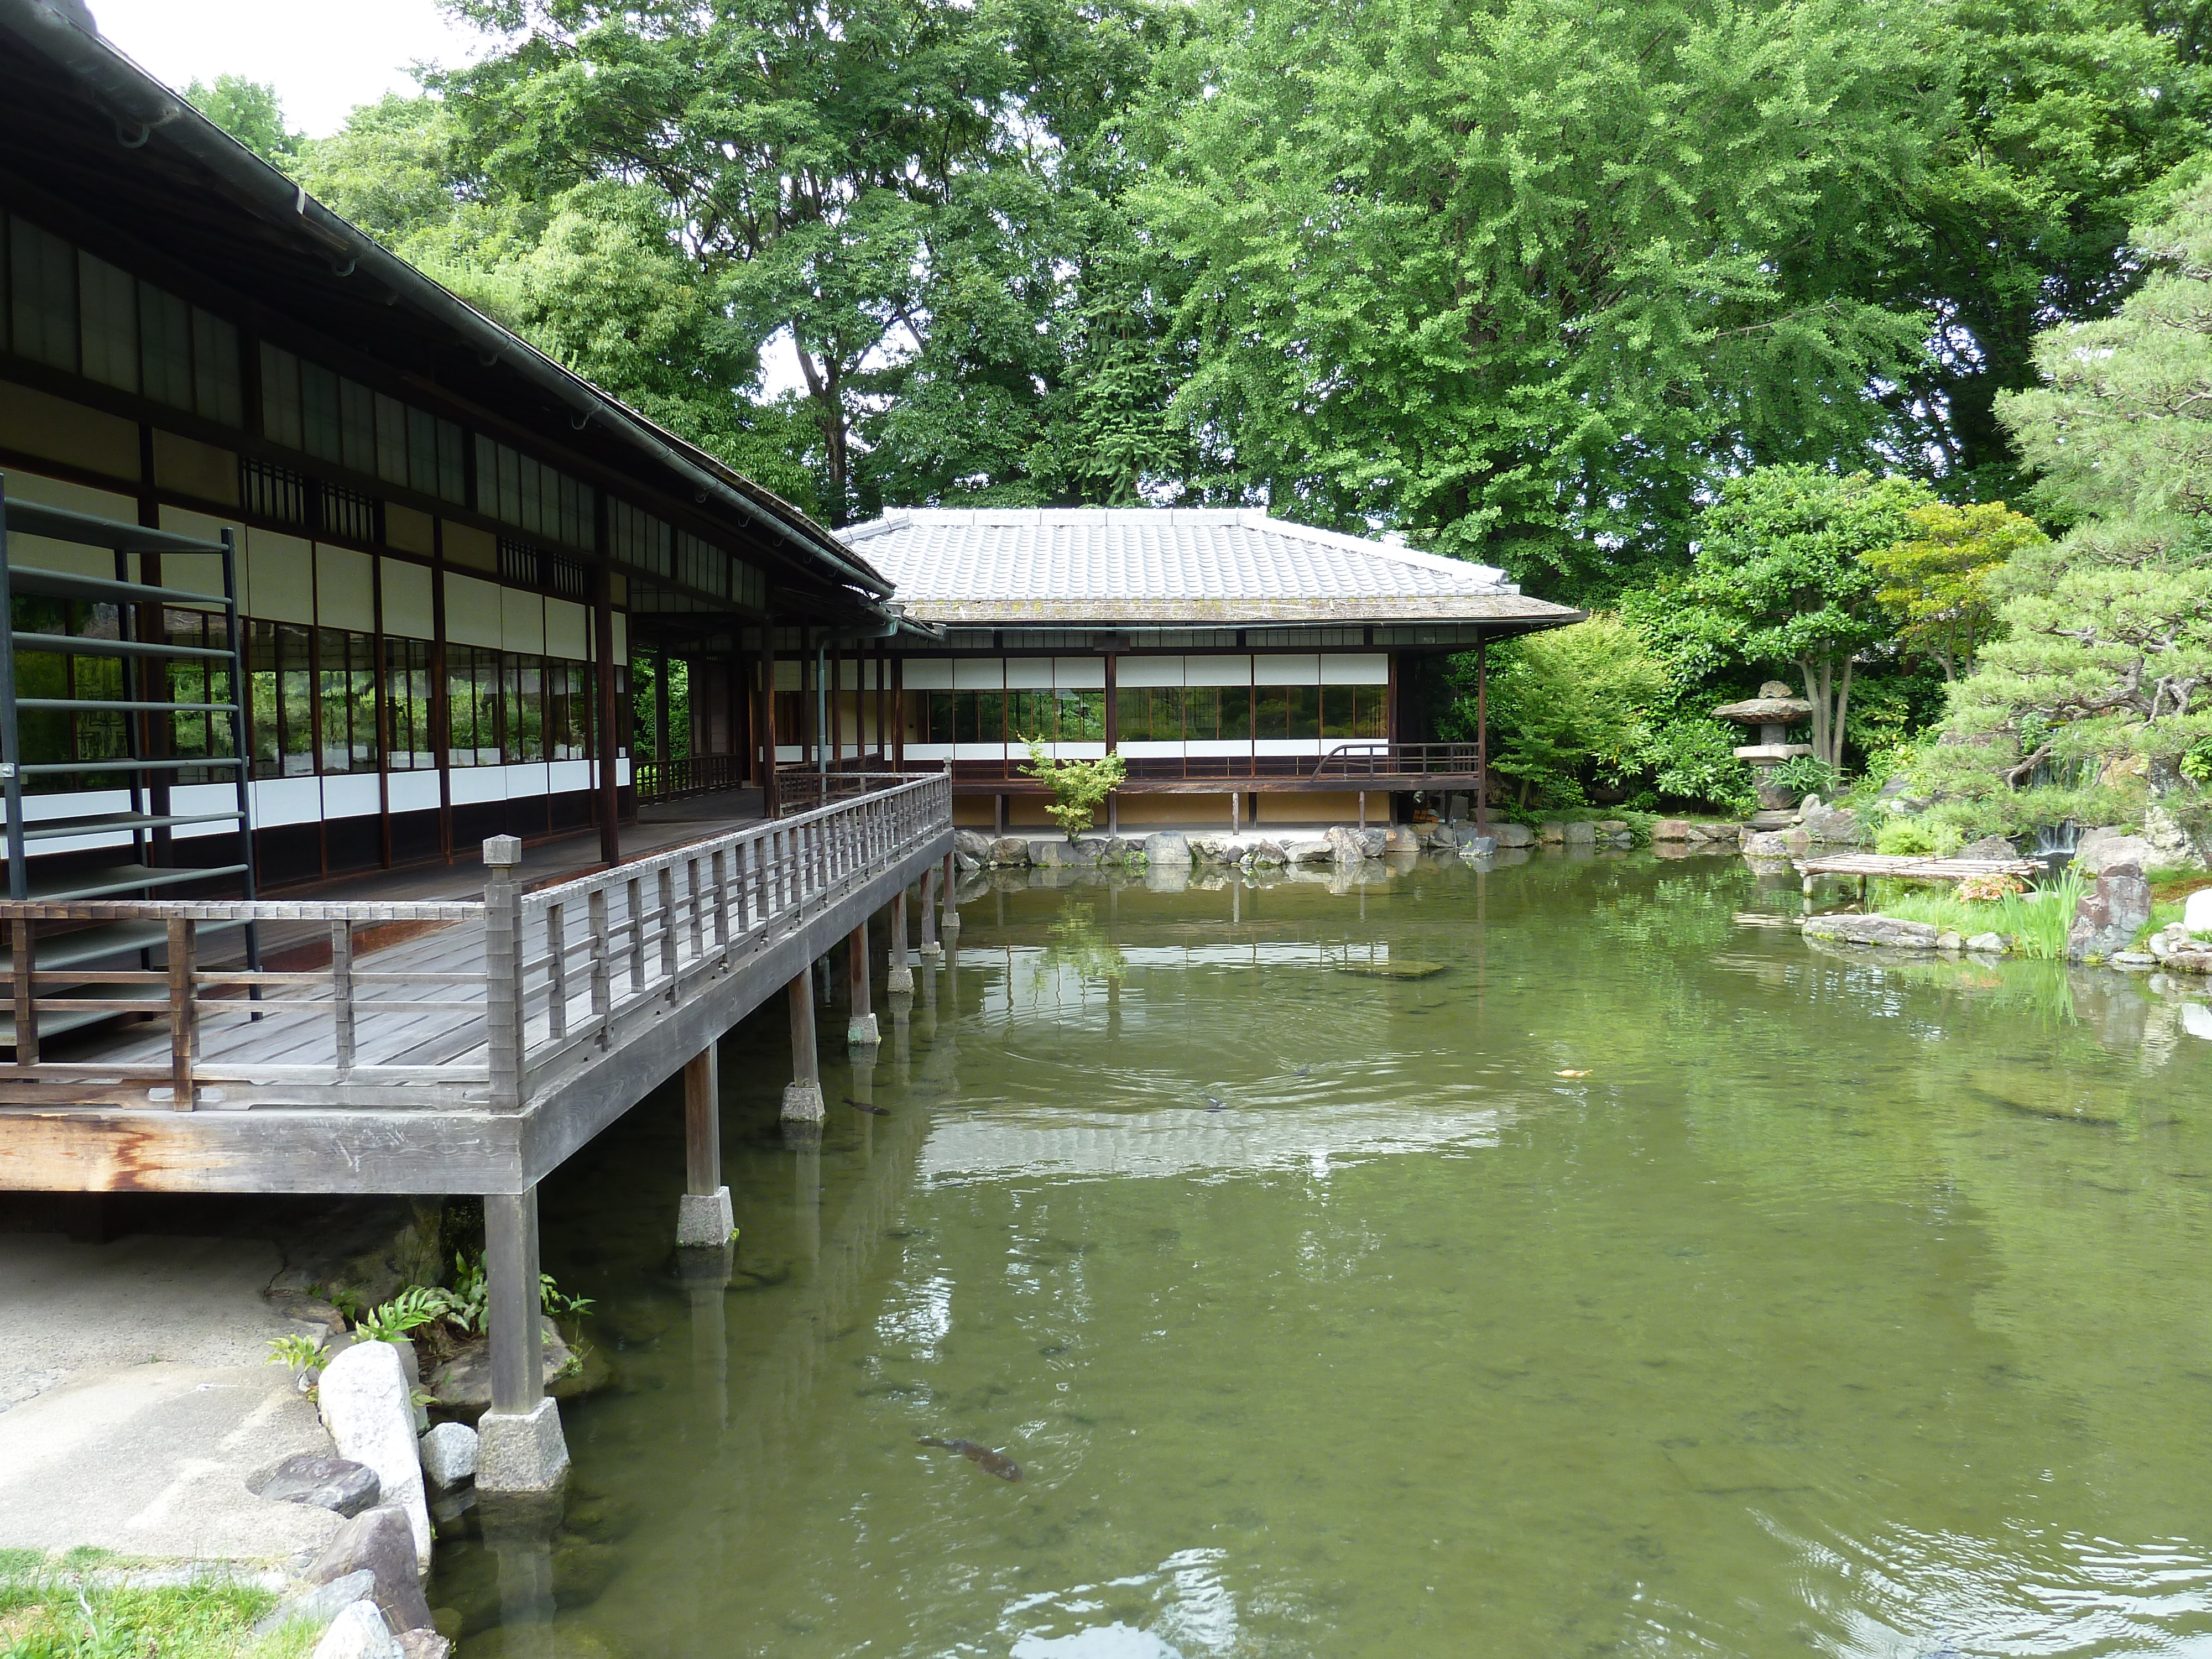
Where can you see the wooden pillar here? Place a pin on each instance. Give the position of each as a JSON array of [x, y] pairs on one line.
[[704, 1216], [901, 978], [999, 814], [661, 716], [802, 1096], [930, 948], [949, 926], [1482, 735], [860, 1031], [770, 805], [521, 1447]]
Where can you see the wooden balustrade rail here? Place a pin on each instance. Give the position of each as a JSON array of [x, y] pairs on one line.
[[526, 988]]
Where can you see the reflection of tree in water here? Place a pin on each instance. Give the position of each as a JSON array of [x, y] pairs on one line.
[[1077, 943]]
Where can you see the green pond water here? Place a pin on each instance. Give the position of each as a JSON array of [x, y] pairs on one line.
[[1832, 1306]]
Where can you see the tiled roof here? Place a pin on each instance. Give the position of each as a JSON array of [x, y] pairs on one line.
[[1168, 565]]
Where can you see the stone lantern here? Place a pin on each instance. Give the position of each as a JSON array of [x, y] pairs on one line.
[[1773, 711]]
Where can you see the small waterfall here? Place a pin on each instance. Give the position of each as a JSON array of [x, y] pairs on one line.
[[2052, 845]]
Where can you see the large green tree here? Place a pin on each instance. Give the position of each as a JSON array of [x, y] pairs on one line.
[[2108, 652], [1782, 563], [2061, 114], [871, 184], [250, 111], [1521, 276]]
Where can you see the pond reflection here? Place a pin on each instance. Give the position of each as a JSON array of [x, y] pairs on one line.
[[1634, 1279]]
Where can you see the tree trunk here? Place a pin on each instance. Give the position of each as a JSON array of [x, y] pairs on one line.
[[1835, 755]]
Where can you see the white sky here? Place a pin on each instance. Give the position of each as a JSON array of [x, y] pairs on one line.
[[323, 56]]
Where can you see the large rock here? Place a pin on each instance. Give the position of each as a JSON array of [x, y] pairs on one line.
[[2110, 914], [1011, 851], [1988, 847], [1211, 849], [1873, 930], [1165, 847], [1309, 849], [1400, 838], [1673, 829], [449, 1455], [1513, 834], [381, 1542], [321, 1482], [1050, 855], [312, 1609], [1265, 856], [369, 1410], [1552, 833], [1991, 945], [1477, 847], [463, 1383], [2172, 846], [974, 844], [1765, 844], [2197, 911], [2099, 850], [2189, 962], [358, 1632], [1832, 824]]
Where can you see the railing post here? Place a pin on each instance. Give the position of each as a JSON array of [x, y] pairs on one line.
[[634, 891], [602, 968], [722, 901], [24, 960], [182, 1011], [342, 991], [665, 893], [502, 856], [556, 965]]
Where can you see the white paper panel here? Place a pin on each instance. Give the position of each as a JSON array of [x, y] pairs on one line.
[[1028, 674], [351, 797], [407, 609], [1286, 671], [1350, 668], [345, 588], [1150, 670], [567, 630], [928, 674], [473, 616], [980, 673], [414, 792], [1217, 671], [1079, 673], [281, 578], [522, 622]]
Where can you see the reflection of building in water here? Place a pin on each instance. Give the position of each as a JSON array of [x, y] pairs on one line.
[[1175, 1141]]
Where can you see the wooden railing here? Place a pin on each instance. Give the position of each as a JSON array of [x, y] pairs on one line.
[[516, 991], [803, 789], [1354, 761], [693, 775], [617, 950]]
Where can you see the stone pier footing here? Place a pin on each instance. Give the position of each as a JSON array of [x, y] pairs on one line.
[[522, 1451], [862, 1033], [802, 1102], [705, 1220]]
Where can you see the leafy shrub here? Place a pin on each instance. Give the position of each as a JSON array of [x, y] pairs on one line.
[[1918, 837], [1990, 888], [1079, 787], [1805, 774]]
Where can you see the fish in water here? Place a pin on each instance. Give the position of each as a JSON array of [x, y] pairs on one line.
[[1302, 1071], [982, 1457], [1215, 1103], [1571, 1074], [863, 1106]]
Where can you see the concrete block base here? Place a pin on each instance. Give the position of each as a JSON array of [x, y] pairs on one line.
[[705, 1220], [862, 1033], [802, 1102], [522, 1451], [950, 924], [931, 950], [900, 979]]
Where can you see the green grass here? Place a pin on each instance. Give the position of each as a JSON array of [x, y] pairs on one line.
[[50, 1614], [2036, 922]]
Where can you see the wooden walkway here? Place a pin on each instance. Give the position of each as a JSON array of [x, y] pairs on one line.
[[1893, 866], [472, 1057]]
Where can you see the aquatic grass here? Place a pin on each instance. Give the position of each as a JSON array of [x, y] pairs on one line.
[[2036, 922], [46, 1614]]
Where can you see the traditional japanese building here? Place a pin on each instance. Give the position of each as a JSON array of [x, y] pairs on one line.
[[446, 549], [1245, 668]]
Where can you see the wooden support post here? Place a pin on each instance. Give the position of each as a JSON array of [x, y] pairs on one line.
[[948, 928], [183, 1014], [901, 979], [521, 1448], [342, 991], [25, 962], [704, 1216], [502, 855], [607, 804], [802, 1096], [931, 950], [861, 1028], [1482, 735], [997, 814], [1236, 805]]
